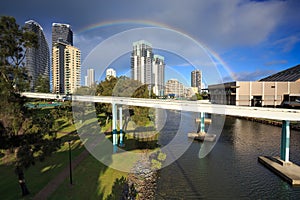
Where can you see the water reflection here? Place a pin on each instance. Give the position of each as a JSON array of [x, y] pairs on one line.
[[231, 170]]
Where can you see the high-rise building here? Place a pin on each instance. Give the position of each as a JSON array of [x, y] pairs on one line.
[[90, 78], [141, 62], [158, 69], [196, 79], [148, 68], [37, 59], [110, 72], [62, 32], [65, 68], [174, 88]]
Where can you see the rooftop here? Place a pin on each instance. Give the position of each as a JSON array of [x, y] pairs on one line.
[[291, 74]]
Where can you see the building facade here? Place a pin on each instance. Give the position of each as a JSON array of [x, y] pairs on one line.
[[158, 69], [196, 79], [257, 93], [279, 89], [174, 88], [62, 32], [90, 78], [141, 62], [66, 68], [37, 59], [110, 72], [148, 68]]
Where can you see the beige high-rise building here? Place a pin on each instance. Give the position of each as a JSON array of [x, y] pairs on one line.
[[66, 66]]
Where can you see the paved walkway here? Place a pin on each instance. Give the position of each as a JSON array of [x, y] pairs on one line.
[[58, 180]]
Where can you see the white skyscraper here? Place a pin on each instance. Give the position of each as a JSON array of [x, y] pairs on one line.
[[141, 62], [148, 68], [110, 72], [90, 77]]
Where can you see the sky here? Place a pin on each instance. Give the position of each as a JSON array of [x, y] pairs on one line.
[[242, 40]]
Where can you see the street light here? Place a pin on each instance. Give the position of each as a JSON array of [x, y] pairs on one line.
[[70, 162]]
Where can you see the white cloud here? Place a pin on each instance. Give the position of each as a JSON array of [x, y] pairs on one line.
[[248, 76], [276, 62], [287, 44]]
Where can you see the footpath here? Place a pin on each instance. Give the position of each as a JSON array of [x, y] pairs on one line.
[[59, 179]]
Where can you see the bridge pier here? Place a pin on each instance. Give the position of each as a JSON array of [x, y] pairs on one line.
[[282, 166], [121, 126], [202, 123], [114, 124], [285, 141]]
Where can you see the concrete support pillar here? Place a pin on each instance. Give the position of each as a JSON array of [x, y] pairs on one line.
[[285, 141], [114, 124], [121, 125], [202, 123]]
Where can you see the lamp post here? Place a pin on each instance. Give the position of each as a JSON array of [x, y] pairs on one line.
[[70, 163]]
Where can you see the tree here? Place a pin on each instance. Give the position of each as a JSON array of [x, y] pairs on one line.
[[25, 132], [123, 87], [42, 84]]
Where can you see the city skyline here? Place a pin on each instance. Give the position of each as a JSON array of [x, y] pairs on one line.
[[253, 39]]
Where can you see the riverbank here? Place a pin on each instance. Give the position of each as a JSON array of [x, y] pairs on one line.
[[293, 125], [142, 180]]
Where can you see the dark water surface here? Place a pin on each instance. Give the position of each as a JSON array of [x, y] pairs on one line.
[[231, 169]]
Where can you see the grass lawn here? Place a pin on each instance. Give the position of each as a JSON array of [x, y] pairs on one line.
[[36, 176], [91, 180]]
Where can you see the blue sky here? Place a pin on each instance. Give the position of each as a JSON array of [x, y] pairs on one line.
[[248, 39]]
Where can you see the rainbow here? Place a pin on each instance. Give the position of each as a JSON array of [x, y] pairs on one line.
[[147, 23]]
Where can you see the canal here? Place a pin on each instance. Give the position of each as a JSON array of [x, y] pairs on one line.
[[231, 169]]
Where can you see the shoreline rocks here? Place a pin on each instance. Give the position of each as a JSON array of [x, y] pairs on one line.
[[142, 180]]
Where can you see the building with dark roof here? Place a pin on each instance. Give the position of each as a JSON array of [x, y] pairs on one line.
[[292, 75], [280, 89]]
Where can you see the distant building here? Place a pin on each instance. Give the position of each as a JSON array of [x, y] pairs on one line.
[[62, 32], [191, 91], [110, 72], [90, 77], [280, 89], [174, 88], [148, 68], [141, 62], [158, 70], [196, 79], [37, 59], [66, 68]]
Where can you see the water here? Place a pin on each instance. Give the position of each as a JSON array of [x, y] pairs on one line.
[[231, 169]]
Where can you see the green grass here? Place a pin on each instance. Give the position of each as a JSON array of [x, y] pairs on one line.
[[36, 176], [91, 180]]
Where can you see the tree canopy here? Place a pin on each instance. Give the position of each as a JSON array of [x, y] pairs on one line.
[[25, 132]]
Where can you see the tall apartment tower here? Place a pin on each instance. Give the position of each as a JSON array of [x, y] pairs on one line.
[[158, 69], [62, 32], [90, 78], [37, 59], [141, 62], [196, 79], [66, 62], [66, 68]]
